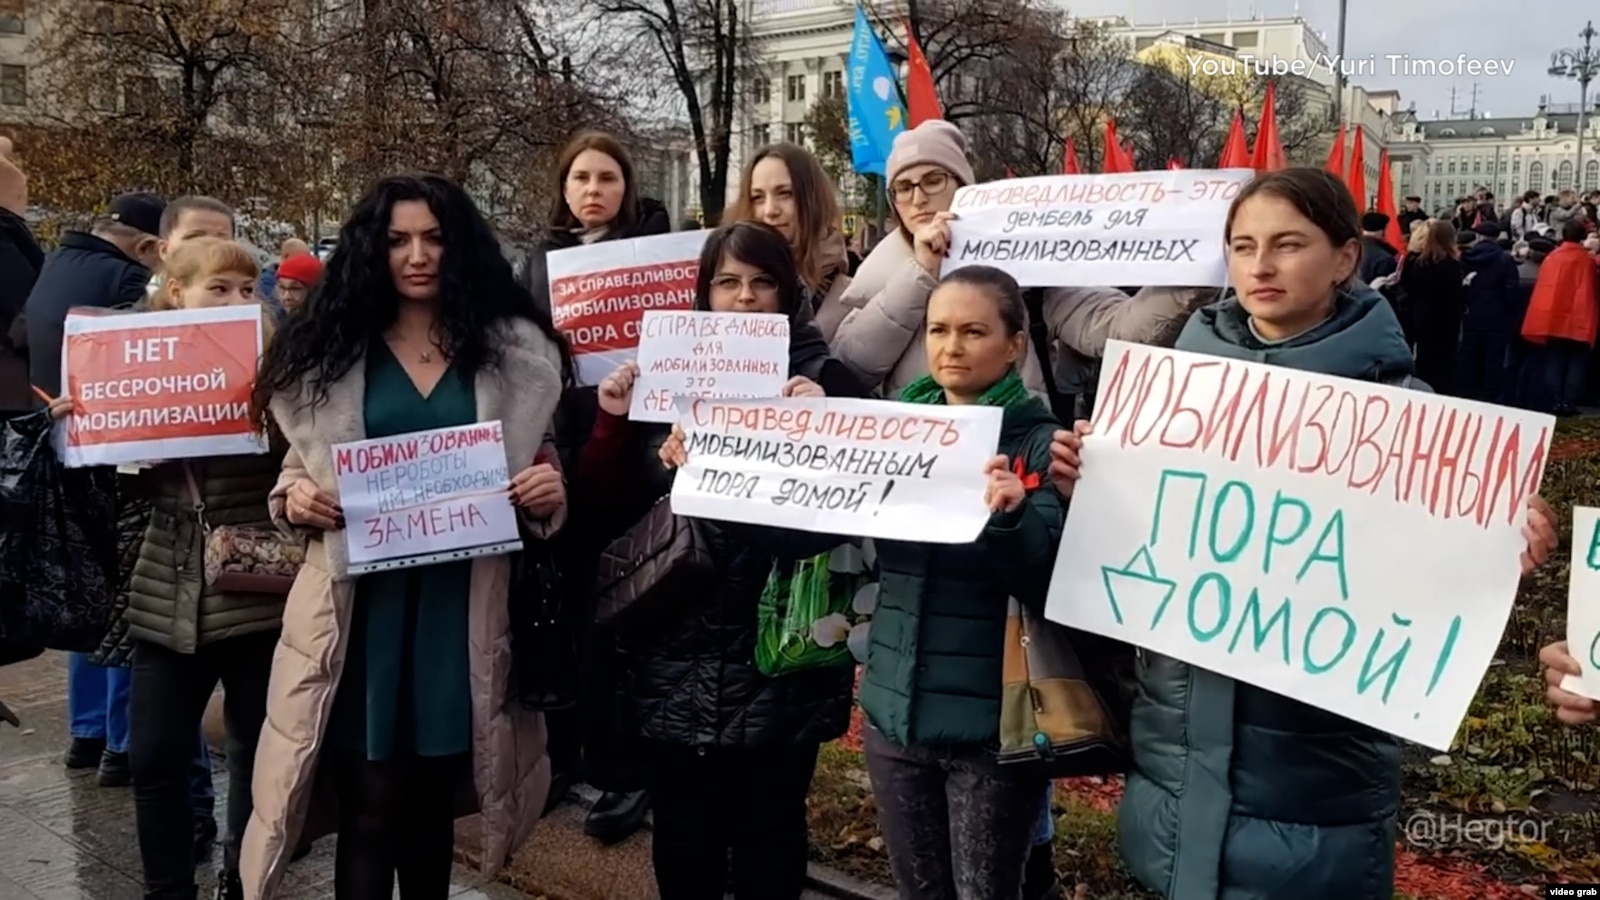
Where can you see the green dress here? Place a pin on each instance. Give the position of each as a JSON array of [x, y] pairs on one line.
[[405, 690]]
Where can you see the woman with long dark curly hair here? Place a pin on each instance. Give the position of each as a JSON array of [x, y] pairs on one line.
[[394, 682]]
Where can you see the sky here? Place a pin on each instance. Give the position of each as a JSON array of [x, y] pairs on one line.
[[1521, 32]]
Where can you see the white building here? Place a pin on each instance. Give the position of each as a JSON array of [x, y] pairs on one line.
[[802, 45], [19, 22], [1450, 158]]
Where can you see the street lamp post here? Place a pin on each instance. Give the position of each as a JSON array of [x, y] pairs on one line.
[[1581, 64]]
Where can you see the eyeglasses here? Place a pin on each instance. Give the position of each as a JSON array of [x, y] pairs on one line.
[[932, 184], [733, 284]]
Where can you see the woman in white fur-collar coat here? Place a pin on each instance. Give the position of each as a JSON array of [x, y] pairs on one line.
[[388, 689], [880, 337]]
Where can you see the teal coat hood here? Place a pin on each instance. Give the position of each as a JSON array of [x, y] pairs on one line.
[[1362, 339]]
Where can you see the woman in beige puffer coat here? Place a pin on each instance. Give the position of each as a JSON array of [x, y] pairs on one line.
[[880, 338]]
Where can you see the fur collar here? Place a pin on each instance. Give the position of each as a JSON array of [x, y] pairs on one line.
[[521, 391]]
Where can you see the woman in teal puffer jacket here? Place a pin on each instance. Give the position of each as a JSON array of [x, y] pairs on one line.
[[1238, 793]]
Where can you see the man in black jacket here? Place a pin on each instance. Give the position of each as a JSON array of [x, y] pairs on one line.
[[105, 267], [1377, 257], [1493, 320], [20, 259]]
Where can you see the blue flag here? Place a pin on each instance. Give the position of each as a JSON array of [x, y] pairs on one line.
[[876, 111]]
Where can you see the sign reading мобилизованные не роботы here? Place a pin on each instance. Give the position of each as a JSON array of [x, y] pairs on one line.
[[1350, 545], [1139, 228]]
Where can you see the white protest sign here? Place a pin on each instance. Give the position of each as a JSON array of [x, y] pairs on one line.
[[426, 497], [1583, 603], [173, 384], [863, 468], [707, 354], [600, 291], [1347, 544], [1136, 228]]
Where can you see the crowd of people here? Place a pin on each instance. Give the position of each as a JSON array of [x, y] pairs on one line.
[[1499, 304], [380, 707]]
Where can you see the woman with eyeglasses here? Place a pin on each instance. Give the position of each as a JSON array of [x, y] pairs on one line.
[[887, 300], [784, 187]]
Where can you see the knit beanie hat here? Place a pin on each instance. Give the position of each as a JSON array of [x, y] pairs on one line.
[[301, 267], [934, 142]]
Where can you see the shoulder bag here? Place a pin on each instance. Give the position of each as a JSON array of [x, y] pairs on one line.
[[1059, 703], [241, 559], [662, 557]]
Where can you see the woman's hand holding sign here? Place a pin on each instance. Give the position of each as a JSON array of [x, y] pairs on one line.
[[931, 244], [307, 506], [539, 490], [673, 453], [1573, 709], [60, 408], [801, 386], [616, 391], [1066, 460], [1540, 532], [1006, 490]]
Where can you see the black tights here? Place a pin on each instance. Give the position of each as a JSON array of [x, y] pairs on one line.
[[396, 817]]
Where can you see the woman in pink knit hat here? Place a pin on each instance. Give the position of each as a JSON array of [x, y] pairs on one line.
[[881, 336]]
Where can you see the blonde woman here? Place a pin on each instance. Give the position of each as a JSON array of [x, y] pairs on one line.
[[187, 635]]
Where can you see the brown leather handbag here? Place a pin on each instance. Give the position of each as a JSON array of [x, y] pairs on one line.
[[1054, 712], [663, 557]]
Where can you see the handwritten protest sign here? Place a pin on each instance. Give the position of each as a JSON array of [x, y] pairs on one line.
[[599, 292], [427, 497], [159, 385], [1350, 545], [705, 354], [1137, 228], [864, 468], [1583, 603]]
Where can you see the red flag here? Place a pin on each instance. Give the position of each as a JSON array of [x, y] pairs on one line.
[[1069, 159], [1391, 234], [1268, 153], [1356, 178], [922, 101], [1117, 157], [1336, 154], [1235, 152], [1174, 163]]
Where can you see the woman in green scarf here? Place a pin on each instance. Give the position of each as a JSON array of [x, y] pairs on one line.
[[957, 824]]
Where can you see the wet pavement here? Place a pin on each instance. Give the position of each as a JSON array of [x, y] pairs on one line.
[[63, 837]]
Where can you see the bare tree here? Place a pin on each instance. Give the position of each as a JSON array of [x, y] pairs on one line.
[[1169, 115], [704, 48], [478, 90], [161, 92]]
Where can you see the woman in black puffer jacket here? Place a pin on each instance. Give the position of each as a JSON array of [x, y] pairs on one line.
[[730, 750]]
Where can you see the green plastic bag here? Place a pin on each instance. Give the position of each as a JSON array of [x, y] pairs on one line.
[[815, 612]]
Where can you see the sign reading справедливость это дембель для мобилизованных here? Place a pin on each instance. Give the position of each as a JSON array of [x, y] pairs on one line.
[[1138, 228], [1351, 545]]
